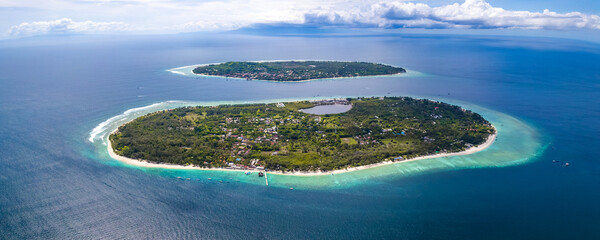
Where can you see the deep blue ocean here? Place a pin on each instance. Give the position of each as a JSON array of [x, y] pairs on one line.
[[56, 184]]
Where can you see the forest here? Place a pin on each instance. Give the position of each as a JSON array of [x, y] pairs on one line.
[[278, 137]]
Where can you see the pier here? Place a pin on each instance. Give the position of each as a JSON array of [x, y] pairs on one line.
[[266, 179]]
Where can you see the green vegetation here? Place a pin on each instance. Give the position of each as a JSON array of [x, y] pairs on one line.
[[296, 70], [279, 137]]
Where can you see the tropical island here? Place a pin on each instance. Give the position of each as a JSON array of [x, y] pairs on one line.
[[300, 136], [296, 70]]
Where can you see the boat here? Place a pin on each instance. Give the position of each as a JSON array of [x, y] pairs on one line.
[[261, 174]]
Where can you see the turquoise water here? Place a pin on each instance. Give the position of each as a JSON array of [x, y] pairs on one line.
[[59, 97]]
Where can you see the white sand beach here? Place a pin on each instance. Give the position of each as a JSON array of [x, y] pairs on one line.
[[147, 164]]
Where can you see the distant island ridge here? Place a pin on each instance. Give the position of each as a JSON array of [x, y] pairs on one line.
[[286, 71], [285, 138]]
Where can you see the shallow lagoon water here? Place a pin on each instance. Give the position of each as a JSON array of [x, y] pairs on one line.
[[56, 184]]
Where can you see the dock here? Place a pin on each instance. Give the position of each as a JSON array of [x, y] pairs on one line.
[[266, 179]]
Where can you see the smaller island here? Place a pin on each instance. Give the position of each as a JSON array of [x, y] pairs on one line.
[[296, 70]]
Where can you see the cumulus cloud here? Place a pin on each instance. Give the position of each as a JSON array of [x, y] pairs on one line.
[[471, 14], [66, 25], [168, 16]]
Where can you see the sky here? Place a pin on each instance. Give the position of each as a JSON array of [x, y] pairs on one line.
[[24, 18]]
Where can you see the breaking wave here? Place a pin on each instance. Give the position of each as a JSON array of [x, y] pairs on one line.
[[100, 131]]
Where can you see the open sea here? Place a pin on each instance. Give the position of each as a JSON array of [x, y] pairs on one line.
[[61, 96]]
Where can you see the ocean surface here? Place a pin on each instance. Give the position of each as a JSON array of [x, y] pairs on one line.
[[61, 96]]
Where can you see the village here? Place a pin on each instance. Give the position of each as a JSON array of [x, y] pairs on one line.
[[242, 144]]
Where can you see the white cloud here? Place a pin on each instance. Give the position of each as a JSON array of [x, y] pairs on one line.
[[470, 14], [66, 25], [168, 16]]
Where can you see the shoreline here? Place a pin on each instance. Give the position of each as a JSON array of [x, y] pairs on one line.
[[144, 163], [471, 150]]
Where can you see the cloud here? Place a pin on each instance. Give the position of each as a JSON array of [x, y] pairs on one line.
[[172, 16], [66, 25], [472, 14]]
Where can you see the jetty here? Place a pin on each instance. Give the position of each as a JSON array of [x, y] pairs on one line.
[[266, 179]]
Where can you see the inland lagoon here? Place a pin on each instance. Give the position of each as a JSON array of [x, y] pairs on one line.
[[328, 109]]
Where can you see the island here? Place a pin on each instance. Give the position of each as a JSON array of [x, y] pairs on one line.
[[303, 136], [296, 70]]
